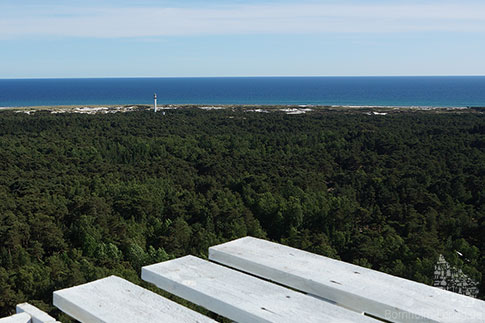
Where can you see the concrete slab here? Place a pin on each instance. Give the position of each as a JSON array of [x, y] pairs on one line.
[[241, 297], [114, 299], [16, 318], [365, 290], [37, 316]]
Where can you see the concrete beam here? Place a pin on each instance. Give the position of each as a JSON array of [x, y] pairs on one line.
[[114, 299], [16, 318], [362, 289], [37, 316], [241, 297]]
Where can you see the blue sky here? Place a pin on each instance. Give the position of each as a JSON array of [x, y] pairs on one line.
[[108, 38]]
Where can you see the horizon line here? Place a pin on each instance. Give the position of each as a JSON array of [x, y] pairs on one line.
[[228, 76]]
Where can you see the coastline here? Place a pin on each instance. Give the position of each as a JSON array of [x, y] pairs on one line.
[[98, 108]]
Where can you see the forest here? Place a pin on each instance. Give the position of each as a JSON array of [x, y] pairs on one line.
[[86, 196]]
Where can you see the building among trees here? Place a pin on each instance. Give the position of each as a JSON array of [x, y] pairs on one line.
[[453, 279]]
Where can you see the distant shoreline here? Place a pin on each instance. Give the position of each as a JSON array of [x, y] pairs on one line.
[[288, 109], [189, 105]]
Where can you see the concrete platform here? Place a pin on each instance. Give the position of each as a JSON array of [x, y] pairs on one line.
[[116, 300], [241, 297], [364, 290]]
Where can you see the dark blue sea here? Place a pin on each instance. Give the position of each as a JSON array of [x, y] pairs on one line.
[[355, 91]]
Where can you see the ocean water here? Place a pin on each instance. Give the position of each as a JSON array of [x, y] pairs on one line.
[[448, 91]]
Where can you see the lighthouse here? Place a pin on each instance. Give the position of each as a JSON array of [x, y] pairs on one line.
[[155, 102]]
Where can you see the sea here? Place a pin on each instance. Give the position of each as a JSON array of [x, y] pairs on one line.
[[428, 91]]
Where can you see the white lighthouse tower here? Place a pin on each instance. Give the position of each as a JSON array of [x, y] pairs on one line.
[[155, 102]]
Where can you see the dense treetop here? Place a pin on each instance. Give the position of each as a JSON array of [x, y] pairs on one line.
[[85, 196]]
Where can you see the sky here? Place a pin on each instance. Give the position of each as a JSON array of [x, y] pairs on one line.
[[196, 38]]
